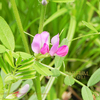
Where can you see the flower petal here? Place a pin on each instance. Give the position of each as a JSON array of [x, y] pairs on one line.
[[55, 39], [62, 51], [23, 90], [36, 44], [45, 38], [45, 49], [55, 43]]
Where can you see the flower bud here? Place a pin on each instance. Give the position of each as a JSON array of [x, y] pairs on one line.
[[11, 97], [44, 2], [62, 51], [23, 90]]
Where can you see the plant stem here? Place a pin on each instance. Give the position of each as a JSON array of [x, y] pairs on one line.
[[42, 18], [19, 24], [84, 36], [48, 87], [38, 86], [37, 80], [60, 82], [71, 30], [9, 88]]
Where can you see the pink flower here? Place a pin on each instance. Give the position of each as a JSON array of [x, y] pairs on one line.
[[22, 91], [40, 43], [60, 51]]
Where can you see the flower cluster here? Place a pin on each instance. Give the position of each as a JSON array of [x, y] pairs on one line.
[[40, 44]]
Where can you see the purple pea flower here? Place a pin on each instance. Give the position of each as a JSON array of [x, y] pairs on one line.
[[19, 93], [60, 51], [22, 91], [40, 43]]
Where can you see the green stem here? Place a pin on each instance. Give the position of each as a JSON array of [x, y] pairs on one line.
[[37, 80], [71, 30], [19, 24], [79, 82], [60, 82], [38, 86], [9, 88], [42, 18], [84, 36], [48, 87]]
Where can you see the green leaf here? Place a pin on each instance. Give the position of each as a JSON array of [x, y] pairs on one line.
[[2, 65], [27, 77], [55, 15], [59, 60], [9, 58], [55, 72], [33, 97], [26, 61], [15, 55], [69, 80], [18, 61], [52, 94], [2, 49], [15, 85], [1, 88], [28, 72], [24, 55], [6, 35], [86, 93], [3, 75], [90, 26], [23, 70], [94, 78], [62, 1], [28, 65], [42, 69]]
